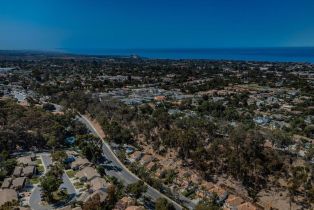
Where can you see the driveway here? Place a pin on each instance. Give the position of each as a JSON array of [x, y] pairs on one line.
[[35, 198]]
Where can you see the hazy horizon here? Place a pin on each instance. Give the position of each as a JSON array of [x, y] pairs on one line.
[[273, 54]]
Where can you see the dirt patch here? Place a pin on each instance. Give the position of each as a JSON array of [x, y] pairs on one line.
[[278, 199], [97, 126]]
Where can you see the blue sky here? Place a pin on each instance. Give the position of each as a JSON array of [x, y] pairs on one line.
[[123, 24]]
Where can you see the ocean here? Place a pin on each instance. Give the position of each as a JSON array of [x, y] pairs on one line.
[[293, 54]]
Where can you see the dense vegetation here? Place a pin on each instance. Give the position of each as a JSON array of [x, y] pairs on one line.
[[25, 128], [213, 134]]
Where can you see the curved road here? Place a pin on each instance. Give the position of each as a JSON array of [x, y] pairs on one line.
[[118, 170]]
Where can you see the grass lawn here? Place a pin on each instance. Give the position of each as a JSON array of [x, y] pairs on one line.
[[78, 185], [60, 195], [40, 168], [70, 173], [38, 162], [34, 180]]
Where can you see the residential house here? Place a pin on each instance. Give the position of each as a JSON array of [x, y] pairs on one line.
[[146, 159], [26, 161], [87, 174], [233, 202], [219, 191], [99, 184], [17, 171], [124, 202], [150, 166], [196, 179], [71, 153], [6, 183], [7, 195], [246, 206], [33, 156], [29, 171], [18, 183], [136, 156], [160, 98], [80, 163]]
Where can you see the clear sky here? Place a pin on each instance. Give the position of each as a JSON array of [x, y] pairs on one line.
[[110, 24]]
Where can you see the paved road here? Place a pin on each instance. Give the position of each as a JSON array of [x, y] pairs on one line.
[[118, 170], [68, 185], [35, 198], [47, 161]]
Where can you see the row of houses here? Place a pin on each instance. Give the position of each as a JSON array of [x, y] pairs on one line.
[[146, 160], [87, 174], [15, 184], [185, 180], [25, 169]]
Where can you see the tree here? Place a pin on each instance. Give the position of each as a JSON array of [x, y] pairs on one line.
[[117, 133], [49, 185], [90, 146], [163, 204], [51, 182], [136, 189], [310, 153], [9, 205], [309, 131], [6, 167], [281, 139], [207, 205], [112, 196], [101, 170], [49, 107], [52, 142], [59, 156], [93, 203]]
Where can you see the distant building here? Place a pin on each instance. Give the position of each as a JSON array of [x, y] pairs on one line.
[[160, 98]]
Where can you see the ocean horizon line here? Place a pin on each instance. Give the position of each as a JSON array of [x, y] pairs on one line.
[[259, 54]]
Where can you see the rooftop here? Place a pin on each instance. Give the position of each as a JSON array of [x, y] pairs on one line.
[[7, 195]]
